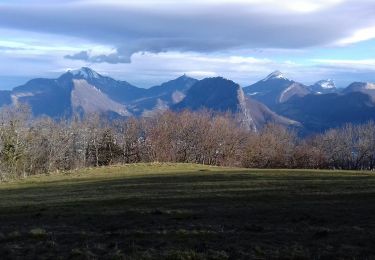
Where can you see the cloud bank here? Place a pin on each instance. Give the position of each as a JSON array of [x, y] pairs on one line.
[[147, 42], [194, 26]]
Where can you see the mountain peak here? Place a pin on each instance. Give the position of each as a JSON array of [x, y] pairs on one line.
[[275, 75], [326, 84], [183, 77], [85, 73], [216, 93], [357, 86]]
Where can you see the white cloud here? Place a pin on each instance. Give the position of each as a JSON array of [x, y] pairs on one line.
[[201, 74], [149, 69], [354, 64], [15, 42], [285, 5], [190, 25], [243, 40], [359, 36]]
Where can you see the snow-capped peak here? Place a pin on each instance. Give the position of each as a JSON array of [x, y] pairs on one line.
[[85, 73], [326, 84], [275, 75], [370, 86]]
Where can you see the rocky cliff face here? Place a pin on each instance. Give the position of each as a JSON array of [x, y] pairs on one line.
[[219, 94]]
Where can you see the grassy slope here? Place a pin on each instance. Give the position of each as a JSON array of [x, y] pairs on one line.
[[179, 211]]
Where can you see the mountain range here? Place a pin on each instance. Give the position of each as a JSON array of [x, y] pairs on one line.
[[275, 99]]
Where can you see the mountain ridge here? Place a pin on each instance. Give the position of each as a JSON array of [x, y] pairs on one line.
[[274, 98], [275, 89], [229, 98]]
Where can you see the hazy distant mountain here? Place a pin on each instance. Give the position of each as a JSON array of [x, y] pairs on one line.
[[222, 95], [5, 98], [120, 91], [49, 97], [160, 97], [321, 112], [324, 87], [363, 87], [273, 99], [80, 91], [86, 91], [276, 89], [329, 107], [181, 84]]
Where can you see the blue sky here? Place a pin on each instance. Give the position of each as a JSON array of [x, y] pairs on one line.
[[147, 42]]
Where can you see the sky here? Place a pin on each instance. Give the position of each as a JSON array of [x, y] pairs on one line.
[[146, 42]]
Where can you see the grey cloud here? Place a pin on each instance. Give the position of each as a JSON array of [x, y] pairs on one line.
[[83, 55], [209, 28], [112, 58], [121, 55]]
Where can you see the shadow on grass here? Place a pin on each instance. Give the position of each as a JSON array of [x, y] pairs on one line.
[[191, 215]]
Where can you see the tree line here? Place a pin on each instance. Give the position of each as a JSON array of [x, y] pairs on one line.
[[31, 146]]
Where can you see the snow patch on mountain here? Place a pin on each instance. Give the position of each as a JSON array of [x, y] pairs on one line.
[[326, 84], [275, 75], [85, 73], [370, 86]]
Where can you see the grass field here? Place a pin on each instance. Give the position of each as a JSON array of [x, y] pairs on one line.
[[183, 211]]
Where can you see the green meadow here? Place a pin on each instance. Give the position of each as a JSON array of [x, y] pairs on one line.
[[186, 211]]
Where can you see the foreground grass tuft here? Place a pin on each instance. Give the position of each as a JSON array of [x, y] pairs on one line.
[[38, 232]]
